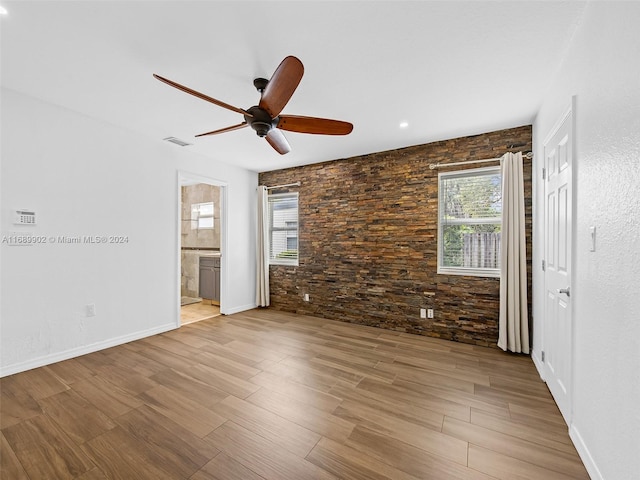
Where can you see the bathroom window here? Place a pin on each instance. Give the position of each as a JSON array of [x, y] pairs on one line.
[[283, 229], [202, 216], [469, 226]]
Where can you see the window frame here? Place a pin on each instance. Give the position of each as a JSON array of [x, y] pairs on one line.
[[196, 222], [290, 261], [465, 271]]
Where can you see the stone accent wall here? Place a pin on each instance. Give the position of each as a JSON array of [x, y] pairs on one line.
[[368, 241]]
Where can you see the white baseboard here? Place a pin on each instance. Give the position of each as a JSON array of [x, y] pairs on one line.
[[76, 352], [242, 308], [585, 456]]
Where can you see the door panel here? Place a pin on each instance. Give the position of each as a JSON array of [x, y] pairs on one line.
[[563, 234], [558, 328], [551, 231]]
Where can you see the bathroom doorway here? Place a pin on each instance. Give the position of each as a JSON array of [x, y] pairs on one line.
[[200, 247]]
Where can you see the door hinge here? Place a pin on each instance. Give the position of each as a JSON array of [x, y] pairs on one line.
[[544, 173], [544, 266], [542, 355]]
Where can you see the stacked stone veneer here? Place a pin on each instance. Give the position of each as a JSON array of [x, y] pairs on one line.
[[368, 241]]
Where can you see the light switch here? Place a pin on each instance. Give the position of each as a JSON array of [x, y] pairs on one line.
[[592, 233]]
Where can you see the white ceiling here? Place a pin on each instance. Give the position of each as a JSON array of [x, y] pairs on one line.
[[449, 69]]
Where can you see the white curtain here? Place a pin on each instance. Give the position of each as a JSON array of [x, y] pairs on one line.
[[514, 318], [262, 257]]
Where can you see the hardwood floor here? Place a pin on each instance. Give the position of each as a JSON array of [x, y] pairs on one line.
[[271, 395]]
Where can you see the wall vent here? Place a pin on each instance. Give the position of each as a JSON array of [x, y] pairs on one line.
[[177, 141]]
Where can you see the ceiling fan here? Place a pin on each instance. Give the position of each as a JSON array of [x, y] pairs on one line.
[[265, 117]]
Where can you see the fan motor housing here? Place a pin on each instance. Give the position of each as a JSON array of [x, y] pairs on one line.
[[261, 121]]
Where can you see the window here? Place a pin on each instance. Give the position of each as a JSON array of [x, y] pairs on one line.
[[283, 229], [202, 216], [470, 209]]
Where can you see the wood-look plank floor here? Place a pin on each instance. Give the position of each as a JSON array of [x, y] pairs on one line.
[[271, 395]]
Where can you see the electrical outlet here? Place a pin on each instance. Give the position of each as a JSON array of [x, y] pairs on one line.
[[430, 313], [306, 297], [91, 310], [423, 313]]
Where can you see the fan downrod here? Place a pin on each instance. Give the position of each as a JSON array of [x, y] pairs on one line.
[[260, 84]]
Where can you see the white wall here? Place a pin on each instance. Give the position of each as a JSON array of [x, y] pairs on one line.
[[86, 177], [602, 69]]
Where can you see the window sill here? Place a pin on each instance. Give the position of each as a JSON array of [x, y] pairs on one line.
[[290, 263], [469, 272]]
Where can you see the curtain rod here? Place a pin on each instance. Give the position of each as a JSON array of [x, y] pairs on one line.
[[296, 184], [433, 166]]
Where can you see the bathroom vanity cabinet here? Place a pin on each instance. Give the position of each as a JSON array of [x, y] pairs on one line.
[[210, 278]]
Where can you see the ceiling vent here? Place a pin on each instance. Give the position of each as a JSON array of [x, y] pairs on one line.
[[177, 141]]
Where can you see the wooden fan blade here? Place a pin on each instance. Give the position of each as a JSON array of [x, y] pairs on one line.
[[278, 141], [283, 83], [319, 126], [222, 130], [202, 96]]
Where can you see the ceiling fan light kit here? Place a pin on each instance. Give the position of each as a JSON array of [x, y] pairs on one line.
[[265, 117]]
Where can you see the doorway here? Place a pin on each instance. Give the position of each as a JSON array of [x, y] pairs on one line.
[[200, 247]]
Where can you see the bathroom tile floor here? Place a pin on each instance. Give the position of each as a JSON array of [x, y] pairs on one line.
[[198, 311]]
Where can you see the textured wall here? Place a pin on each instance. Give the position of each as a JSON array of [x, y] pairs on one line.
[[368, 241], [601, 69]]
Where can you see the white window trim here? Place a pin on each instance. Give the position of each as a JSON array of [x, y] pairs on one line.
[[470, 272], [285, 261], [463, 271]]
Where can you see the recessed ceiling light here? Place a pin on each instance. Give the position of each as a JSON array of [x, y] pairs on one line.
[[404, 124], [3, 11]]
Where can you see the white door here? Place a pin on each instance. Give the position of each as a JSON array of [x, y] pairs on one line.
[[558, 345]]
